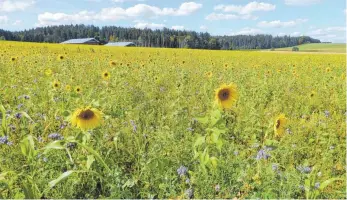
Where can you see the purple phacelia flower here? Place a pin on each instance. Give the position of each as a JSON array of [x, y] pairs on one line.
[[190, 193], [18, 115], [182, 170], [326, 113], [263, 154], [304, 169], [55, 136]]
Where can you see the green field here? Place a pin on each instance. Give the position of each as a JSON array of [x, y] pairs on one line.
[[320, 47]]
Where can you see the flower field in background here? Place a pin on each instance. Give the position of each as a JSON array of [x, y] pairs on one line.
[[103, 122]]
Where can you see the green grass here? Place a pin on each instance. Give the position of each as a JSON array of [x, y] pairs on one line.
[[319, 47]]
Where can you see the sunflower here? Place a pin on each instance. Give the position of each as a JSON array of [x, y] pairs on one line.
[[48, 72], [68, 88], [106, 75], [209, 74], [226, 96], [56, 84], [328, 69], [61, 57], [312, 94], [78, 89], [86, 118], [13, 59], [279, 124]]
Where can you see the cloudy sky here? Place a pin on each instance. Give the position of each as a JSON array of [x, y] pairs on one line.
[[322, 19]]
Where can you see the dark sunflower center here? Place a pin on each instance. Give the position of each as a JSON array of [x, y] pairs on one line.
[[13, 59], [61, 57], [87, 114], [278, 123], [78, 89], [106, 74], [224, 94], [312, 94], [56, 85]]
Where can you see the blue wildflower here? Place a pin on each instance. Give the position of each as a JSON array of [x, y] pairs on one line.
[[317, 185], [301, 187], [190, 193], [55, 136], [304, 169], [182, 170], [4, 139], [326, 113], [18, 115], [187, 181], [236, 153], [63, 125], [263, 154]]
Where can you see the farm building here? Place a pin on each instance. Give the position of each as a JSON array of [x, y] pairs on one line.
[[82, 41], [120, 44]]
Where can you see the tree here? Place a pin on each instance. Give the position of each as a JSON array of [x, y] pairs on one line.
[[295, 49]]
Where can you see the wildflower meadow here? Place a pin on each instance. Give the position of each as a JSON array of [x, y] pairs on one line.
[[115, 122]]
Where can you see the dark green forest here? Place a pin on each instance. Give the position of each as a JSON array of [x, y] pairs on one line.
[[166, 38]]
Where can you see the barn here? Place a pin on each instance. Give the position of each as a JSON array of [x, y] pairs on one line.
[[91, 41], [120, 44]]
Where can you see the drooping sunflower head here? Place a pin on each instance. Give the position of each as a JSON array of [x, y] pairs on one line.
[[56, 84], [226, 96], [280, 123], [86, 118], [106, 75], [113, 63]]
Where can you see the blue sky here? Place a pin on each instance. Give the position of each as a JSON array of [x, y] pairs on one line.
[[322, 19]]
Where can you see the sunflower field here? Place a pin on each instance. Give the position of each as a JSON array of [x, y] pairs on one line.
[[108, 122]]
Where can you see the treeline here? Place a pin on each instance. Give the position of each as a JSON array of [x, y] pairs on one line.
[[167, 38]]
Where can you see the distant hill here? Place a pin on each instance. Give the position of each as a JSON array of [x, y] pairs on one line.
[[166, 38], [321, 47]]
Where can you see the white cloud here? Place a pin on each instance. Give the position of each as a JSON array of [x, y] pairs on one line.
[[3, 19], [117, 13], [280, 24], [295, 34], [13, 5], [247, 31], [203, 27], [17, 22], [215, 16], [48, 18], [143, 25], [246, 9], [332, 34], [301, 2], [178, 28]]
